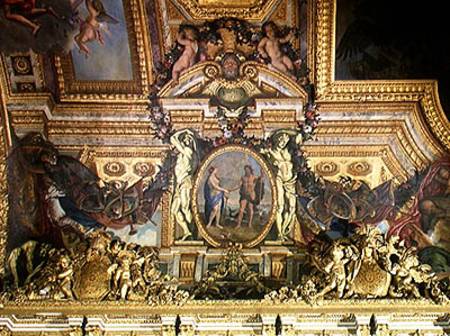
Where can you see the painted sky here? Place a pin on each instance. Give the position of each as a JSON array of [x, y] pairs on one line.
[[111, 61]]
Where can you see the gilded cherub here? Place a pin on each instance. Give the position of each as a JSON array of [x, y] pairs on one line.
[[392, 251], [64, 279], [270, 48], [120, 273], [336, 271], [409, 273], [137, 274]]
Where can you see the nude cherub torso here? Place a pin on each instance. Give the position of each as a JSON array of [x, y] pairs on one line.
[[187, 39], [269, 46], [89, 29]]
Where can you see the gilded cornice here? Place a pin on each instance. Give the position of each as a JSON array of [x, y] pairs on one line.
[[378, 128], [5, 145], [423, 92], [255, 68], [219, 308], [106, 128]]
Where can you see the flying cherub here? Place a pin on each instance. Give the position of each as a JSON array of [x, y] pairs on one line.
[[188, 38], [269, 48], [90, 27]]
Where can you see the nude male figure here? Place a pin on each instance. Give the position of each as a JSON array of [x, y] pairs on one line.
[[248, 195]]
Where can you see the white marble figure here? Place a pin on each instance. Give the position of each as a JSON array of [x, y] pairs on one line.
[[280, 156], [185, 167]]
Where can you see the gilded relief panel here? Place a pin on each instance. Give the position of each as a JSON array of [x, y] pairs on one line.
[[371, 169]]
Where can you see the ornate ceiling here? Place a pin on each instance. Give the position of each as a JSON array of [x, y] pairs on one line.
[[68, 98]]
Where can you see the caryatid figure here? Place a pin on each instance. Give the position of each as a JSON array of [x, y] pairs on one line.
[[186, 164], [280, 155]]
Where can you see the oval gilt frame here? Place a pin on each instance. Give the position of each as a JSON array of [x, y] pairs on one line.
[[195, 194]]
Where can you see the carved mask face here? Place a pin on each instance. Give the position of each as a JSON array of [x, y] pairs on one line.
[[230, 67], [64, 262]]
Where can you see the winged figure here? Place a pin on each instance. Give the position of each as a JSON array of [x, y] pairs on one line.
[[92, 25]]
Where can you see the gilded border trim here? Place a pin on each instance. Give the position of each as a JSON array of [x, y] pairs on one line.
[[4, 143], [257, 12], [212, 307]]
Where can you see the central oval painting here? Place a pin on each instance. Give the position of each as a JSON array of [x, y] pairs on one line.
[[234, 197]]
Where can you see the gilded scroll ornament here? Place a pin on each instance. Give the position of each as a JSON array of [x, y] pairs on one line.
[[327, 168], [361, 168], [207, 9]]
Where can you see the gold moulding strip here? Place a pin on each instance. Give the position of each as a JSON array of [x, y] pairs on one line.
[[228, 3], [209, 10], [4, 206], [229, 307], [101, 131]]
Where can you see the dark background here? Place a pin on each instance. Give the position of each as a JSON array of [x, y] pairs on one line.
[[394, 39]]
